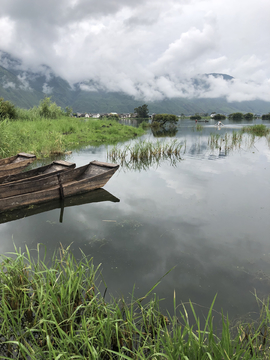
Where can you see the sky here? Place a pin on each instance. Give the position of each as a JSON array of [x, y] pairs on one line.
[[149, 49]]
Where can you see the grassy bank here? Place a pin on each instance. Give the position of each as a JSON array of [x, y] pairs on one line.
[[57, 312], [53, 136]]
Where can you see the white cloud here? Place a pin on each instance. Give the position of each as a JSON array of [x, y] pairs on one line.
[[46, 89], [9, 84], [24, 82], [145, 48]]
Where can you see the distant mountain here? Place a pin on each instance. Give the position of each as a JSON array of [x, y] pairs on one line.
[[25, 88]]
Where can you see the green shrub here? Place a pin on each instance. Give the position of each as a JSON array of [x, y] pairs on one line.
[[47, 109], [236, 116], [194, 117], [266, 116], [248, 116], [163, 119], [7, 110], [219, 117]]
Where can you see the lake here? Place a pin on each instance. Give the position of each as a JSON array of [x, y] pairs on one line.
[[206, 217]]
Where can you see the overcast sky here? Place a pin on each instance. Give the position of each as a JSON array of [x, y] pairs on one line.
[[147, 48]]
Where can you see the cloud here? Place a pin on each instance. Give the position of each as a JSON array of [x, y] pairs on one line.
[[24, 82], [46, 89], [9, 84], [144, 48]]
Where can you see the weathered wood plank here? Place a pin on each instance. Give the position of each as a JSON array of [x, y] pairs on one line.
[[15, 164], [40, 171], [75, 181]]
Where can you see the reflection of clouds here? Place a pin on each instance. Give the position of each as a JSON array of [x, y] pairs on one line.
[[207, 218]]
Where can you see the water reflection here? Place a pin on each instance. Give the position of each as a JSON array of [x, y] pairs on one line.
[[95, 196], [210, 219], [161, 132]]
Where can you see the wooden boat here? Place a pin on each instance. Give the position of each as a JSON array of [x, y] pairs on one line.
[[37, 173], [15, 164], [96, 196], [59, 185]]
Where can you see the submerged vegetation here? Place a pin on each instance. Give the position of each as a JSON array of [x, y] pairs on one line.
[[257, 130], [143, 154], [229, 141], [57, 312]]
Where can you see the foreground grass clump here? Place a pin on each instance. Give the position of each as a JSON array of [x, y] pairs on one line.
[[258, 130], [55, 136], [143, 154], [57, 312]]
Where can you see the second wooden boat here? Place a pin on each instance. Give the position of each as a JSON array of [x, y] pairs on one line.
[[76, 181], [37, 173], [15, 164]]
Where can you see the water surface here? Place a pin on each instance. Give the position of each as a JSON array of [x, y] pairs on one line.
[[207, 217]]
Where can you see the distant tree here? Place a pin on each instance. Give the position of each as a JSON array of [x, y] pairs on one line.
[[248, 116], [113, 116], [7, 110], [164, 119], [219, 117], [266, 116], [68, 111], [142, 111], [236, 116], [48, 109], [195, 117]]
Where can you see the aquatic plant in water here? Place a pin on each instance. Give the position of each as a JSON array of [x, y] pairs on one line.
[[143, 154], [228, 142], [257, 130]]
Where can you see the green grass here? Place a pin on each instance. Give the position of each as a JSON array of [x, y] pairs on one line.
[[46, 136], [229, 141], [257, 130], [57, 312], [143, 154]]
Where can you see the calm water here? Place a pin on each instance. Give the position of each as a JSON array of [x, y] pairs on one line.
[[207, 217]]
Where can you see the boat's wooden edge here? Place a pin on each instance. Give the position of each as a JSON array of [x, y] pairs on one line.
[[64, 163], [27, 155], [100, 163]]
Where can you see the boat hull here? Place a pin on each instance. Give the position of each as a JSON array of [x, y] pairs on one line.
[[15, 164], [44, 178], [72, 182]]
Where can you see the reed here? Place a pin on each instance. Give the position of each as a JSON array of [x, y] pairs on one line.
[[257, 130], [231, 141], [143, 154], [56, 136], [57, 312]]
